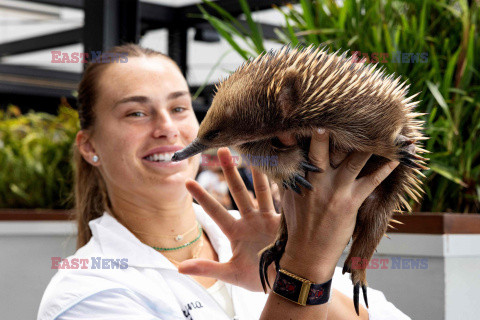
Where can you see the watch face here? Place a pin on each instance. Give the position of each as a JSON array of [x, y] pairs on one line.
[[290, 288], [287, 287]]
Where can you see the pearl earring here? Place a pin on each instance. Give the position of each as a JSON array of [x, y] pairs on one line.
[[95, 158]]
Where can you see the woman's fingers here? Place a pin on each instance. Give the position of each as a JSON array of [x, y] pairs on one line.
[[235, 183], [351, 167], [207, 268], [211, 206], [318, 153], [365, 185], [262, 191]]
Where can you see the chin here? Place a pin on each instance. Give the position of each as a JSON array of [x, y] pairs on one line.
[[174, 180]]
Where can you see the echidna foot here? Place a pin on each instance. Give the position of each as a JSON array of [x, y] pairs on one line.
[[358, 277], [407, 154]]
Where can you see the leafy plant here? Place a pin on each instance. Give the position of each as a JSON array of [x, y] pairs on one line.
[[35, 153], [446, 32]]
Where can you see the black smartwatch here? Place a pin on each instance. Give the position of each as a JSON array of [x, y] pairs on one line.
[[300, 290]]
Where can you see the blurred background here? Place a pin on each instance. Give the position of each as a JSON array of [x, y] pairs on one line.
[[433, 45]]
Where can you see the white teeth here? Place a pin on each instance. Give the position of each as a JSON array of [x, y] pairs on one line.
[[160, 157]]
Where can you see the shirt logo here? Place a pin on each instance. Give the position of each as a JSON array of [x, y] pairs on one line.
[[190, 306]]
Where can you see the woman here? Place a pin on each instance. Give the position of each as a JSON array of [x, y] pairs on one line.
[[137, 221]]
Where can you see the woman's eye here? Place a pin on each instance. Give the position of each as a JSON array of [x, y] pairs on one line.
[[178, 109], [136, 114]]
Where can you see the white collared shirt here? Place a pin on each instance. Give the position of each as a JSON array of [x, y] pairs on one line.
[[147, 286]]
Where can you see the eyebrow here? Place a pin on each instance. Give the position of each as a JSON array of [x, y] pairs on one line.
[[177, 94], [144, 99]]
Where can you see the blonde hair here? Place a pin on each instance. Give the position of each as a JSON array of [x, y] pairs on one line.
[[91, 198]]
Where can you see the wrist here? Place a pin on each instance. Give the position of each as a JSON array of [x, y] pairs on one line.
[[315, 270]]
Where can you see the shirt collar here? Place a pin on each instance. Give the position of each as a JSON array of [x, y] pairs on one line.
[[117, 242]]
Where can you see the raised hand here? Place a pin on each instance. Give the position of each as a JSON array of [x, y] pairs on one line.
[[255, 229]]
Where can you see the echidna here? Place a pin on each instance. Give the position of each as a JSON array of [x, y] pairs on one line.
[[297, 90]]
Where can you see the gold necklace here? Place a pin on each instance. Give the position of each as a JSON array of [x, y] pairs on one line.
[[177, 237], [195, 255]]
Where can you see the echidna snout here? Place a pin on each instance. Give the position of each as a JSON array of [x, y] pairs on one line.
[[189, 151]]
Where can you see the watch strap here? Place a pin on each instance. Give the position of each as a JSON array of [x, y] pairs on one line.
[[299, 290]]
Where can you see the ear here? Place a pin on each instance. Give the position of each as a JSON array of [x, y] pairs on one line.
[[85, 147], [288, 96]]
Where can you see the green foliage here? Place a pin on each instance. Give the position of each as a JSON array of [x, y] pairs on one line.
[[35, 158], [449, 82]]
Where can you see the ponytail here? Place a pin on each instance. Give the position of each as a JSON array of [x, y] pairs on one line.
[[91, 198]]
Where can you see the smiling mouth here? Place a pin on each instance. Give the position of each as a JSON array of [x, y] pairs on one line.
[[160, 157]]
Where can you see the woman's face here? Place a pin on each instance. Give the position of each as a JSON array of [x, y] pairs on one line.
[[143, 115]]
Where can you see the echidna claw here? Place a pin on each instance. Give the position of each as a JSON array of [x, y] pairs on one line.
[[292, 185], [412, 164], [356, 293], [310, 167], [364, 290], [295, 188], [412, 156], [303, 182], [280, 249], [270, 255], [356, 296], [404, 142], [265, 260]]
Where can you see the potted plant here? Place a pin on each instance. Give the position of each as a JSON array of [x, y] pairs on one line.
[[35, 157]]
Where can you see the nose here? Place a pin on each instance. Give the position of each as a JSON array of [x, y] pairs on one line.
[[165, 127]]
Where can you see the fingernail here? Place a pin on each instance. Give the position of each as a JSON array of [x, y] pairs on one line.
[[321, 130], [393, 164]]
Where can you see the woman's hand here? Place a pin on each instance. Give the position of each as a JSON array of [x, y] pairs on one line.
[[254, 231], [321, 223]]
